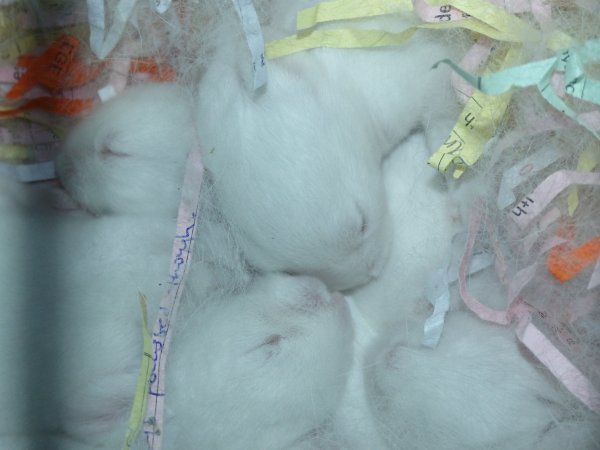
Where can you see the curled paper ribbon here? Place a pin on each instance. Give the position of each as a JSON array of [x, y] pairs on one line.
[[347, 10], [577, 383], [438, 294], [481, 17], [502, 317], [361, 38], [473, 60], [341, 38], [162, 332], [104, 37], [560, 366], [57, 68], [535, 202], [495, 16], [428, 11], [254, 39], [525, 168], [570, 62], [466, 143], [140, 399], [477, 125]]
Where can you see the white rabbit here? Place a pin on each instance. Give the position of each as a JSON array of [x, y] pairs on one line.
[[70, 325], [298, 200], [476, 390], [267, 365], [264, 369], [296, 165], [128, 155], [423, 231]]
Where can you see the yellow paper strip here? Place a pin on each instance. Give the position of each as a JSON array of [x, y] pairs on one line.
[[479, 120], [476, 26], [341, 38], [349, 9], [356, 38], [138, 409], [507, 23], [494, 16], [487, 19], [477, 124], [15, 153]]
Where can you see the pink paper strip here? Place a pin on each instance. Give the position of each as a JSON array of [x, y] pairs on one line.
[[483, 312], [526, 209], [558, 364], [162, 333]]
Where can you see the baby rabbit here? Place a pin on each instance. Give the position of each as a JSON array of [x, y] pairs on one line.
[[478, 389], [128, 155], [266, 365], [265, 369], [296, 165], [418, 206], [71, 326]]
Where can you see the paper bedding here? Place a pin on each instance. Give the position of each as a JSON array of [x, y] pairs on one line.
[[530, 89]]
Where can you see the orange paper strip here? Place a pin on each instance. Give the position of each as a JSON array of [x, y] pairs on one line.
[[564, 262], [157, 71], [58, 67]]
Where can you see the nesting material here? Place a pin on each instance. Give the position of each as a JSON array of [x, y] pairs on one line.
[[437, 162]]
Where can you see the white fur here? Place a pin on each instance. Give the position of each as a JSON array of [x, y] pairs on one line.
[[296, 165], [267, 365], [128, 155], [478, 388], [70, 326], [423, 230], [261, 360], [266, 368]]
